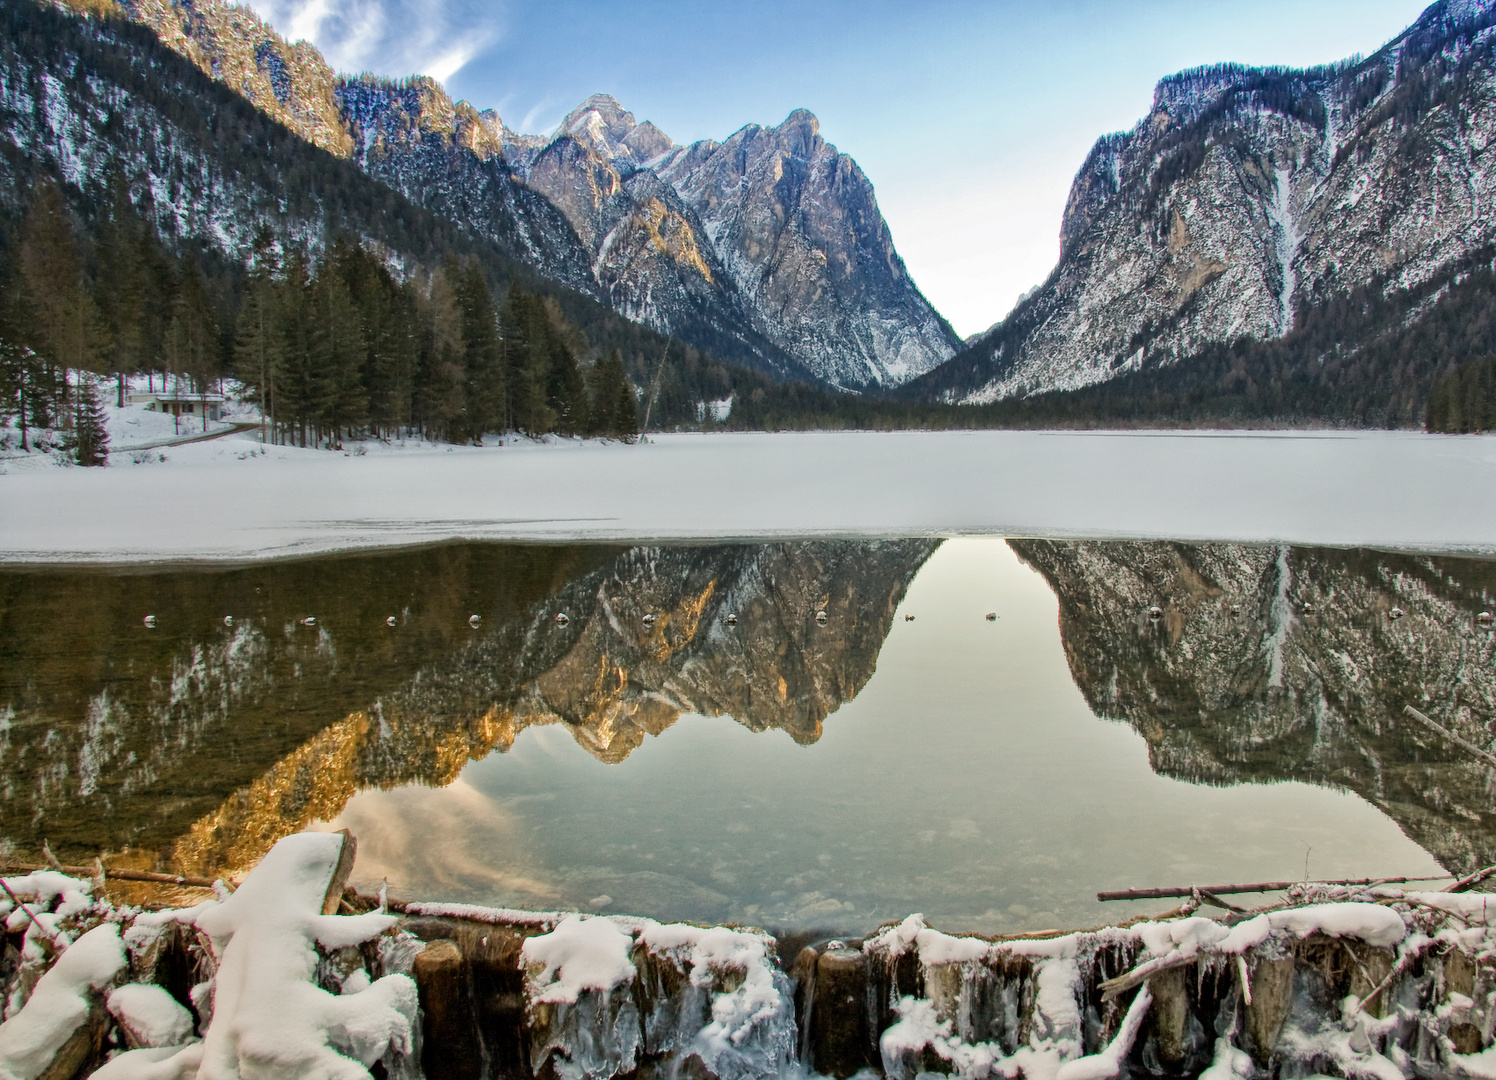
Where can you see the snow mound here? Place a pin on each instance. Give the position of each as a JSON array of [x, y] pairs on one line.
[[269, 1016], [580, 954], [151, 1015], [60, 1004]]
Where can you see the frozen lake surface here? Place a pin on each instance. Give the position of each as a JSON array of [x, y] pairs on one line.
[[693, 741], [224, 500]]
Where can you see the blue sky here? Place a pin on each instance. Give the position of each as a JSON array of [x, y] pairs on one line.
[[969, 117]]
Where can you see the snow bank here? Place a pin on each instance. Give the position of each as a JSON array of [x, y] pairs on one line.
[[1055, 1041], [159, 1063], [1385, 489], [60, 1003]]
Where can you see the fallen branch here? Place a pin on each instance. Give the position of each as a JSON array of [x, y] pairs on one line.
[[1143, 972], [1469, 747], [1465, 884], [115, 874], [1261, 886], [29, 913]]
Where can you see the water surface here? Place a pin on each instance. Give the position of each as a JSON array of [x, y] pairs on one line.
[[782, 770]]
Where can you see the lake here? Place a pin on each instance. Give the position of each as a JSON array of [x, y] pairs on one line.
[[816, 735]]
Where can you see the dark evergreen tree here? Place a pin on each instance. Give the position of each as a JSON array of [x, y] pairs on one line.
[[62, 327], [90, 436], [615, 409], [258, 335], [337, 358], [482, 354], [121, 283], [192, 337]]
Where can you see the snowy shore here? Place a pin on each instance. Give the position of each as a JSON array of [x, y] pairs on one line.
[[1372, 983], [232, 499]]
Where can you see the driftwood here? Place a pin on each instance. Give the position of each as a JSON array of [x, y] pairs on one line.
[[1465, 884], [1212, 891], [1469, 747], [21, 904], [113, 873]]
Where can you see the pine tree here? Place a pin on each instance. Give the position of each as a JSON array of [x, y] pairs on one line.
[[338, 358], [121, 283], [63, 327], [440, 394], [90, 438], [18, 364], [615, 410], [258, 336], [482, 355], [292, 362], [192, 335]]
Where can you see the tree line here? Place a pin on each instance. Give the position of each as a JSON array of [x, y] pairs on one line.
[[340, 347], [332, 346]]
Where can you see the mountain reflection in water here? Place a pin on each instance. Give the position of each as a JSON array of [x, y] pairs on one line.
[[976, 783]]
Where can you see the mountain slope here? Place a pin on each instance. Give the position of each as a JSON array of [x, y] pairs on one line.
[[1250, 195], [796, 274]]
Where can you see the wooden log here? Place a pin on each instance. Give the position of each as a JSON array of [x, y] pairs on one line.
[[451, 1047], [1272, 993], [839, 1035], [83, 1045], [333, 898], [1470, 748]]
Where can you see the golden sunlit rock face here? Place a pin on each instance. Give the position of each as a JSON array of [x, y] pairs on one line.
[[292, 83]]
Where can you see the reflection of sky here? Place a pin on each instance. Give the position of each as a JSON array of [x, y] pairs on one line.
[[969, 116], [968, 780]]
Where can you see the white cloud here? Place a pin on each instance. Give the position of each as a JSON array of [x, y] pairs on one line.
[[391, 37]]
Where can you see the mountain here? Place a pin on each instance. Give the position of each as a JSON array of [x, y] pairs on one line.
[[1253, 201], [767, 250], [82, 100], [774, 221], [1266, 664]]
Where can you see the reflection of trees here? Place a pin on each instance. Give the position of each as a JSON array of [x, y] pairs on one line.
[[1284, 664], [223, 733]]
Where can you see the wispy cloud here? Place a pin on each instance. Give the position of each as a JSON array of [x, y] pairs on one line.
[[392, 37]]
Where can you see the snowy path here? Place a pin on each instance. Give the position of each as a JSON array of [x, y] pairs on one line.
[[237, 427], [217, 501]]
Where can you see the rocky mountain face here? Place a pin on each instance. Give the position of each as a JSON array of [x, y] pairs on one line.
[[1266, 664], [768, 249], [775, 222], [1249, 194], [446, 153]]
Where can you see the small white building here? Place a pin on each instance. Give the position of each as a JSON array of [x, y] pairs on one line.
[[178, 403]]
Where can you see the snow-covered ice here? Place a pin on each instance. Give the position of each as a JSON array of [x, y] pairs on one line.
[[231, 499]]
